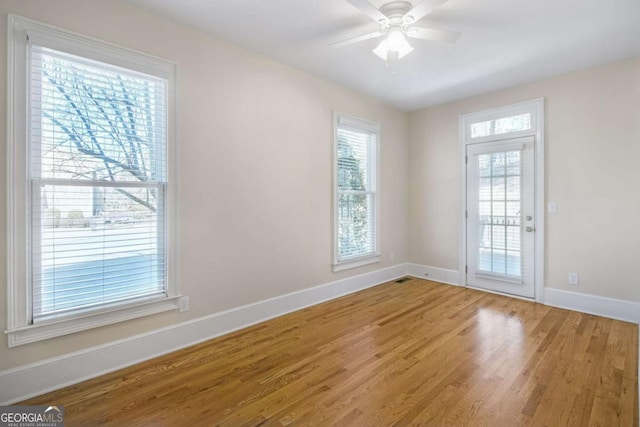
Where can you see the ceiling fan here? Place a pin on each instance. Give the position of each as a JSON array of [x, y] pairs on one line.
[[396, 19]]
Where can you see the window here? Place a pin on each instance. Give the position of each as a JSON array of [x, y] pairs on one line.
[[356, 197], [98, 151], [504, 125]]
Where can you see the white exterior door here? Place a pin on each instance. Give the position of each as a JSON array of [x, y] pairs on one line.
[[500, 216]]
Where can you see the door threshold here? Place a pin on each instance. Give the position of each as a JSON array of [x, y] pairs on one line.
[[504, 294]]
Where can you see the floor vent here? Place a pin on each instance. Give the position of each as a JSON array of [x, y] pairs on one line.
[[404, 279]]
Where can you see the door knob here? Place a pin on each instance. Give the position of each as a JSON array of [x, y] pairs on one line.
[[529, 229]]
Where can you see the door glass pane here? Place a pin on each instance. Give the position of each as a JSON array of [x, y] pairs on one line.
[[484, 165], [513, 188], [513, 163], [497, 164], [499, 212]]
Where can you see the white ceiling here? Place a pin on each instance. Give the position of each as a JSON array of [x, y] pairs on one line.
[[503, 42]]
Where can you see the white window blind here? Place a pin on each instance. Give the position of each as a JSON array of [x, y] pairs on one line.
[[356, 176], [98, 171]]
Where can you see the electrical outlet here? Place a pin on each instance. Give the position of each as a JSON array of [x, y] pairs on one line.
[[183, 304], [552, 207], [574, 279]]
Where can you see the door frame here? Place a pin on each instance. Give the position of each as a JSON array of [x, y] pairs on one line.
[[536, 108]]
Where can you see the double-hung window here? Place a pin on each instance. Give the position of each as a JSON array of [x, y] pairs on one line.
[[92, 183], [356, 194]]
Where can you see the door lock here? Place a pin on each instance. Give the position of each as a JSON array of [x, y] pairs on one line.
[[529, 218]]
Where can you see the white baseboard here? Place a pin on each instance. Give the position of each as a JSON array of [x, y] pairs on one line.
[[450, 277], [37, 378], [593, 304], [627, 311]]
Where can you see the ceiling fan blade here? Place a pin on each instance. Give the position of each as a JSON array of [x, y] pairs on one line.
[[432, 35], [369, 10], [357, 39], [421, 10]]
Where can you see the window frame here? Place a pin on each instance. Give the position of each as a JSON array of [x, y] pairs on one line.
[[20, 327], [374, 128]]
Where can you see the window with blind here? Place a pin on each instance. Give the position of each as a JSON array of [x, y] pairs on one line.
[[98, 167], [356, 176], [99, 198]]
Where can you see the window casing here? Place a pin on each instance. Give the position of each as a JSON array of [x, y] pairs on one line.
[[356, 192], [92, 152]]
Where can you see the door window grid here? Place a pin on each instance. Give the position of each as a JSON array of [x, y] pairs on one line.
[[500, 236]]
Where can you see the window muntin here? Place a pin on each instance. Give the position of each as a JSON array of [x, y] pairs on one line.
[[356, 190]]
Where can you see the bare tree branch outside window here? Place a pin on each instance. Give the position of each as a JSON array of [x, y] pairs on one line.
[[101, 130]]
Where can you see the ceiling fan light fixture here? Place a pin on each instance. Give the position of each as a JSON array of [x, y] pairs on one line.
[[396, 40], [394, 46]]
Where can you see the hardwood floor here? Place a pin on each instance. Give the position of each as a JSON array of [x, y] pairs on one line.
[[415, 353]]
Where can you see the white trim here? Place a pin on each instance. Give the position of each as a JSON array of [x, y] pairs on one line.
[[41, 377], [627, 311], [539, 201], [11, 52], [536, 107], [356, 122], [58, 38], [45, 330], [442, 275], [359, 262], [514, 144]]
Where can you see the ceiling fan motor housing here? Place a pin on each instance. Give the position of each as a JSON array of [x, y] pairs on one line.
[[396, 11]]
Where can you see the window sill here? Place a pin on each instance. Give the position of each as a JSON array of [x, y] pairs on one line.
[[55, 328], [353, 263]]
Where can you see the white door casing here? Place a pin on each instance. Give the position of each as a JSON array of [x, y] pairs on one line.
[[490, 131]]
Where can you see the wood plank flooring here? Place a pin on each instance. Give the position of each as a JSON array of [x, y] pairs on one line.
[[415, 353]]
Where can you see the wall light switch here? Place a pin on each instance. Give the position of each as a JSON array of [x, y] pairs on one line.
[[552, 207]]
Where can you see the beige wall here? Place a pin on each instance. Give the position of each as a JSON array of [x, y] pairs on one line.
[[255, 156], [592, 165]]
